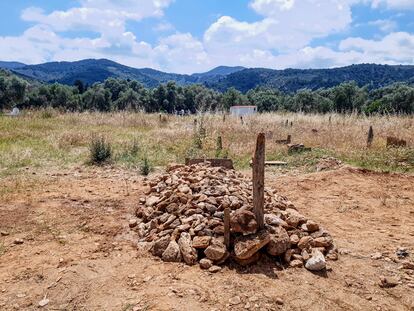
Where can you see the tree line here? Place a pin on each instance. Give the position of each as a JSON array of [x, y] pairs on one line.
[[117, 94]]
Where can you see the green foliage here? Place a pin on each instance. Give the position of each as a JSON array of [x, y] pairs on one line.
[[146, 167], [100, 150], [119, 95], [12, 90]]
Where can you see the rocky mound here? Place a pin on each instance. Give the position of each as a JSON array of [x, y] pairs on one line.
[[182, 216]]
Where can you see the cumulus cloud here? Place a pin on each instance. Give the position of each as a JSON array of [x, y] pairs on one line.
[[282, 37], [287, 24], [394, 4]]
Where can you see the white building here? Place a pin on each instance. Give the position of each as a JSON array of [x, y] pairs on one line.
[[243, 110]]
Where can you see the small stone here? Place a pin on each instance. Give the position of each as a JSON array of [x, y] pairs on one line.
[[235, 300], [151, 201], [317, 262], [312, 226], [305, 242], [206, 263], [18, 241], [133, 223], [321, 242], [294, 239], [280, 301], [376, 256], [4, 233], [214, 269], [43, 302], [388, 282], [296, 263], [408, 265], [273, 220]]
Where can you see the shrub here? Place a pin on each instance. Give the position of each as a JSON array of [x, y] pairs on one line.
[[145, 167], [100, 150]]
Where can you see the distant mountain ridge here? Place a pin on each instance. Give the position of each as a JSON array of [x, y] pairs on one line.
[[220, 78], [11, 65]]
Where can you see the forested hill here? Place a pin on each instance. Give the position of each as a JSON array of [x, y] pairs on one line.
[[292, 80], [221, 78], [90, 71]]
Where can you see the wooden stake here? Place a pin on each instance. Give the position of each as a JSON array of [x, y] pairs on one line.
[[227, 227], [258, 180]]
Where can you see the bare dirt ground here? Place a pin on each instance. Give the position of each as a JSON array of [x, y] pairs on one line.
[[79, 253]]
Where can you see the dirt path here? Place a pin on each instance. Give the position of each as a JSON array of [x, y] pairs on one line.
[[79, 253]]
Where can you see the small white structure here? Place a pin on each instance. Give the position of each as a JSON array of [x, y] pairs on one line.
[[243, 110], [15, 112]]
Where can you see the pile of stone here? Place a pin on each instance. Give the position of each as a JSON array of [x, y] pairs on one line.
[[181, 216]]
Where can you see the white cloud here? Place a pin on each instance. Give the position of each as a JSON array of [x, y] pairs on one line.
[[286, 24], [394, 4], [280, 39]]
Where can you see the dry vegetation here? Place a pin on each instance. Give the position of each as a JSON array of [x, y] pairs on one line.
[[64, 229], [47, 139]]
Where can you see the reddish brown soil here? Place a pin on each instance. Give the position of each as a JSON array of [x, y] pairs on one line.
[[79, 253]]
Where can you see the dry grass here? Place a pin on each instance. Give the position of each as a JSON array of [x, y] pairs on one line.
[[62, 139]]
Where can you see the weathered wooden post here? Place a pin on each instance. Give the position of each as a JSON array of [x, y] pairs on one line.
[[258, 180], [227, 227], [370, 137]]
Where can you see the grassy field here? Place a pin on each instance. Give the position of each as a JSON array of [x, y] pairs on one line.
[[47, 139]]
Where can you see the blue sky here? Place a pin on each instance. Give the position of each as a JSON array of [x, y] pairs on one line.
[[188, 36]]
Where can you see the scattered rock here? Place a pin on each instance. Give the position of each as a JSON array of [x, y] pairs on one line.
[[316, 262], [376, 256], [206, 263], [235, 300], [44, 302], [214, 269], [388, 282], [18, 241], [408, 265], [279, 301], [4, 233], [296, 263]]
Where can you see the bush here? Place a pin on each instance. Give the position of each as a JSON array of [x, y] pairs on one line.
[[100, 150], [145, 167]]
